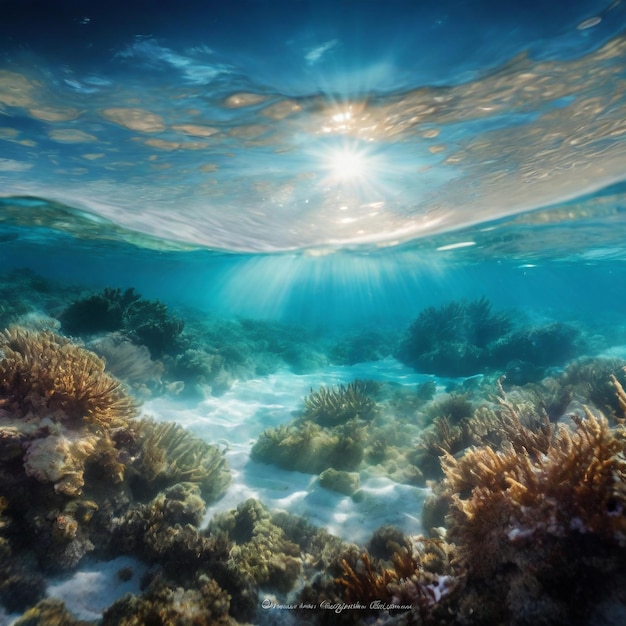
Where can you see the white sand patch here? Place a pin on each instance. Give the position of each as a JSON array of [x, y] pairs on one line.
[[236, 419], [96, 585]]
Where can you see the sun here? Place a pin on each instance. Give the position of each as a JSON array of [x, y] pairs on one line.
[[347, 165]]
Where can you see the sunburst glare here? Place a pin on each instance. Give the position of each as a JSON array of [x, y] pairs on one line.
[[347, 164]]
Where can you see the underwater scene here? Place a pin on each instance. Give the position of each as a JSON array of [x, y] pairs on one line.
[[312, 313]]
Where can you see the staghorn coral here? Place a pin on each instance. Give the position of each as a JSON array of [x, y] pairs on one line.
[[621, 395], [45, 374], [517, 508], [329, 406], [167, 453], [417, 580]]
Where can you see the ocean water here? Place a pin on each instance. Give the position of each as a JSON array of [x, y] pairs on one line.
[[313, 312]]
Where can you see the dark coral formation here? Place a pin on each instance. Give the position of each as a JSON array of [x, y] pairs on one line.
[[454, 339], [365, 346], [464, 338], [204, 605], [145, 322]]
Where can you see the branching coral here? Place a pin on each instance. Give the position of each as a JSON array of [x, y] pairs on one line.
[[516, 509], [463, 338], [419, 580], [621, 395], [592, 378], [45, 374], [102, 312]]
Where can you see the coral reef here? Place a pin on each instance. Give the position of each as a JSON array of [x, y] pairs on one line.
[[74, 461], [365, 346], [49, 612], [342, 482], [548, 345], [45, 375], [129, 363], [164, 531], [166, 454], [454, 339], [465, 338], [97, 313], [518, 508], [145, 322], [307, 447], [205, 372], [167, 605], [341, 427], [329, 406], [590, 378], [412, 582], [270, 548], [59, 410]]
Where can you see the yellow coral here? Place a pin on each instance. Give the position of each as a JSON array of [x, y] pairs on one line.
[[45, 374], [170, 454]]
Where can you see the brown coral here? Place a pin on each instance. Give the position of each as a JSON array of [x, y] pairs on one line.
[[45, 374], [417, 578], [541, 516], [571, 482]]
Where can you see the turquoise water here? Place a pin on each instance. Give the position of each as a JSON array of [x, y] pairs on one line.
[[336, 265]]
